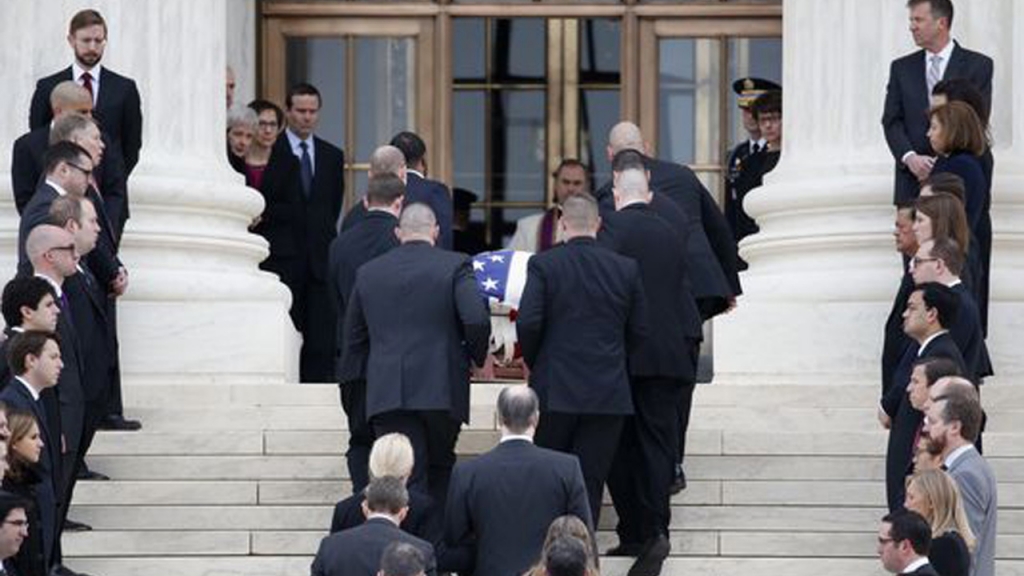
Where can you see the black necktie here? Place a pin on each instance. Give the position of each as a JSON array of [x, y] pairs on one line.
[[306, 170], [755, 148]]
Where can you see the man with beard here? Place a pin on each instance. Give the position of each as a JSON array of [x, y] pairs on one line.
[[952, 424], [116, 99]]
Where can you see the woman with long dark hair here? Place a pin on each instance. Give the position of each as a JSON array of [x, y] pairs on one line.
[[24, 446]]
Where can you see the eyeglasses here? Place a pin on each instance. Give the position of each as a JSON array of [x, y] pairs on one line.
[[271, 125], [80, 169], [17, 523], [69, 248], [917, 261], [884, 541]]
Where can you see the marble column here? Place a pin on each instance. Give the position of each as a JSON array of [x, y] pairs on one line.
[[198, 309], [823, 269]]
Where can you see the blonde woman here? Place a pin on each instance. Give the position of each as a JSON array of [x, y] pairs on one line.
[[392, 455], [934, 495]]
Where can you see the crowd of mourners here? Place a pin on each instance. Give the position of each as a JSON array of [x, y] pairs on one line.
[[389, 300]]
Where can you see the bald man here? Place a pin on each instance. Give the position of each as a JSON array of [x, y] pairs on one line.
[[109, 177], [710, 245], [385, 160], [414, 321]]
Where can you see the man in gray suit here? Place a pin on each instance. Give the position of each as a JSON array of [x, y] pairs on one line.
[[952, 423]]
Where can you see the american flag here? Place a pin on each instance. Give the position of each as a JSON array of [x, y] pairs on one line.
[[501, 275]]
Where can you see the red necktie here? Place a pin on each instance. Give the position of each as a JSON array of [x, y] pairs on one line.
[[87, 83]]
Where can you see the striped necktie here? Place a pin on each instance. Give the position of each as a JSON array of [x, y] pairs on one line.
[[934, 72]]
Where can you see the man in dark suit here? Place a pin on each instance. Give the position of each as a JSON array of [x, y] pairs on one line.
[[304, 185], [371, 237], [710, 244], [421, 189], [357, 551], [117, 102], [54, 257], [662, 368], [489, 505], [911, 79], [941, 260], [903, 543], [108, 269], [582, 312], [28, 303], [930, 309], [414, 323], [13, 529], [88, 308], [953, 424], [895, 342], [35, 361]]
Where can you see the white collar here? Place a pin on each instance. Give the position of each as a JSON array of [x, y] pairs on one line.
[[56, 286], [945, 53], [294, 139], [510, 437], [31, 389], [60, 189], [416, 172], [387, 517], [77, 71], [956, 281], [929, 341], [921, 561], [955, 454]]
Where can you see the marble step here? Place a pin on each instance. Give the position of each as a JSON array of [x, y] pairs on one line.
[[101, 543], [675, 566], [750, 518], [474, 441], [322, 467], [485, 393]]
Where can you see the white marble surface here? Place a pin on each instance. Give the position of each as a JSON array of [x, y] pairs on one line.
[[823, 269]]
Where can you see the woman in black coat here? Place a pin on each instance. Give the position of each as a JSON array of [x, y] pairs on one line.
[[934, 495], [24, 446]]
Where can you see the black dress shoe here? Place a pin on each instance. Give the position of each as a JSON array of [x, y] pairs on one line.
[[120, 423], [625, 549], [72, 526], [651, 558], [679, 482], [86, 474]]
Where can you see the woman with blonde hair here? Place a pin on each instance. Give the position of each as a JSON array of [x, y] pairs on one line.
[[934, 495], [567, 526], [392, 455]]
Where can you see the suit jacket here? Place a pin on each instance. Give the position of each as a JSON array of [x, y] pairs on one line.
[[300, 229], [637, 232], [14, 395], [977, 484], [357, 551], [969, 338], [95, 333], [118, 109], [583, 310], [418, 190], [905, 119], [423, 520], [415, 321], [373, 236], [926, 570], [710, 244], [504, 501], [906, 420], [70, 391], [895, 342]]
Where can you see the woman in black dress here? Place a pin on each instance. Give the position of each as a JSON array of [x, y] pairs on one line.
[[934, 495]]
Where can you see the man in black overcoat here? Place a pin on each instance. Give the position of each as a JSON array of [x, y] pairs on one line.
[[414, 324], [582, 312], [372, 236]]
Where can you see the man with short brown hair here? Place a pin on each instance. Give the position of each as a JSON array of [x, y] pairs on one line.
[[116, 99]]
